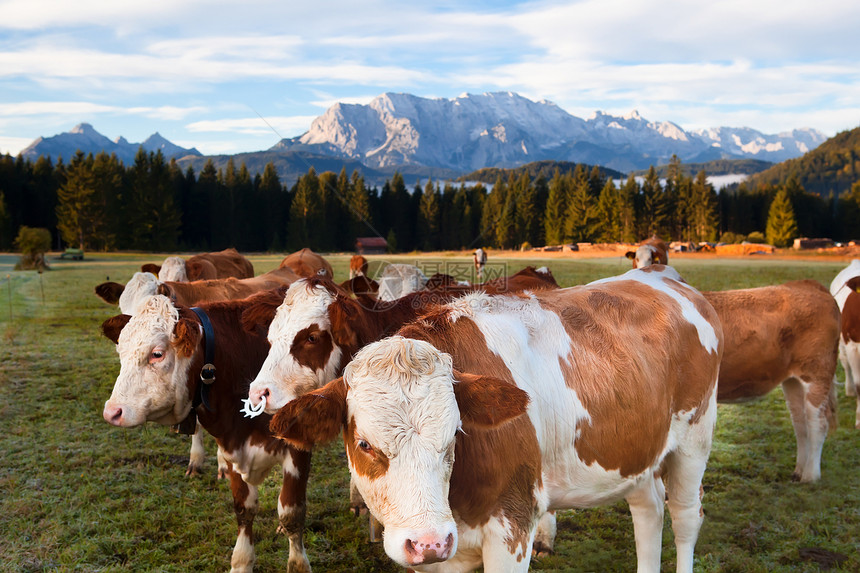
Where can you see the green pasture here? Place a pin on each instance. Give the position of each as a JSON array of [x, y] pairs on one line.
[[79, 495]]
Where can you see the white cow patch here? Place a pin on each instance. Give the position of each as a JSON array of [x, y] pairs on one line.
[[173, 269], [136, 292]]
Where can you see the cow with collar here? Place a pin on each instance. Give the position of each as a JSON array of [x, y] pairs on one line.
[[652, 251], [166, 351], [621, 379]]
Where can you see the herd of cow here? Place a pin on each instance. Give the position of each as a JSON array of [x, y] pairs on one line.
[[470, 413]]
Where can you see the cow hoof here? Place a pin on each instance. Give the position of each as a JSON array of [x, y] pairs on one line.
[[300, 565], [540, 550], [222, 473], [193, 471], [795, 477], [358, 510]]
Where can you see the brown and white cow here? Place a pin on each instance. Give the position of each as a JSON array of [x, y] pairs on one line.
[[357, 266], [840, 291], [785, 334], [451, 460], [849, 342], [306, 263], [143, 285], [621, 376], [206, 266], [398, 279], [652, 251], [162, 351]]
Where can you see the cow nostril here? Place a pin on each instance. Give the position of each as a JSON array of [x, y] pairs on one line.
[[265, 393]]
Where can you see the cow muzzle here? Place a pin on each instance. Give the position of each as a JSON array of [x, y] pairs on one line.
[[427, 549]]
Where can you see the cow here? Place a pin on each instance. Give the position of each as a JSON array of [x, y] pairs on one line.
[[850, 341], [143, 285], [306, 263], [784, 334], [840, 292], [470, 502], [398, 280], [357, 266], [206, 266], [528, 278], [165, 351], [652, 251], [621, 375]]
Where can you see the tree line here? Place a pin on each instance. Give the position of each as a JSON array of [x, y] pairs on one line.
[[97, 203]]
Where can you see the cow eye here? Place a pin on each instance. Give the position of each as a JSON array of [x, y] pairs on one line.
[[156, 355], [313, 338], [365, 447]]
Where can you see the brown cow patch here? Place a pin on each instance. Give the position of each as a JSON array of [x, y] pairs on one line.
[[370, 463], [312, 347]]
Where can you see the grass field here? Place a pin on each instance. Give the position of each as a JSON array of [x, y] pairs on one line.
[[79, 495]]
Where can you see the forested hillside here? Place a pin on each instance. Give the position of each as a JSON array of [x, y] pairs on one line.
[[833, 166], [98, 203]]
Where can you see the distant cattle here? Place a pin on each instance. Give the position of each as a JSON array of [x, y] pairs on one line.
[[397, 280], [840, 290], [306, 263], [144, 285], [786, 334], [619, 401], [162, 351], [357, 266], [206, 266], [652, 251]]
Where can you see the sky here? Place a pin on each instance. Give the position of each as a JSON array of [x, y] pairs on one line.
[[231, 77]]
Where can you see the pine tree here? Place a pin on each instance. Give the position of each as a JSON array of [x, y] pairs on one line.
[[77, 208], [556, 207], [627, 201], [305, 213], [608, 214], [703, 210], [429, 211], [581, 218], [781, 224]]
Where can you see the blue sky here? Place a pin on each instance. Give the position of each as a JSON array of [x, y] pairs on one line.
[[204, 72]]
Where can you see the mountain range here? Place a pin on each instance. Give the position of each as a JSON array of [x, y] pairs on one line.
[[85, 138], [444, 138]]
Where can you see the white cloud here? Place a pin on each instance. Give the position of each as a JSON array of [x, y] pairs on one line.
[[13, 145], [281, 126]]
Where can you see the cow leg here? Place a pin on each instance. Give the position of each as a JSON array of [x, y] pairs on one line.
[[684, 485], [358, 507], [646, 506], [292, 508], [198, 454], [245, 506], [545, 535], [852, 366], [496, 550], [223, 469], [850, 384], [810, 427]]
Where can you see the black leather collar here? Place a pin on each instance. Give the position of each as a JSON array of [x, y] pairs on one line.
[[207, 373]]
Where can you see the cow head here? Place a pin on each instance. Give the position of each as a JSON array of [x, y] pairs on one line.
[[308, 336], [173, 269], [156, 348], [133, 295], [644, 256], [400, 404]]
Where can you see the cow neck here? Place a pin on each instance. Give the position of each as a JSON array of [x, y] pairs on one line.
[[207, 372]]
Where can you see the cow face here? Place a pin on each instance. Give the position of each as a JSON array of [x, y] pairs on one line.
[[173, 269], [643, 257], [400, 407], [304, 354], [155, 349]]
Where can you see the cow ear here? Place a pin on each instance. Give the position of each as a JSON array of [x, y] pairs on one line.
[[342, 315], [314, 418], [150, 268], [260, 310], [630, 255], [186, 336], [110, 292], [487, 401], [114, 325], [165, 290]]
